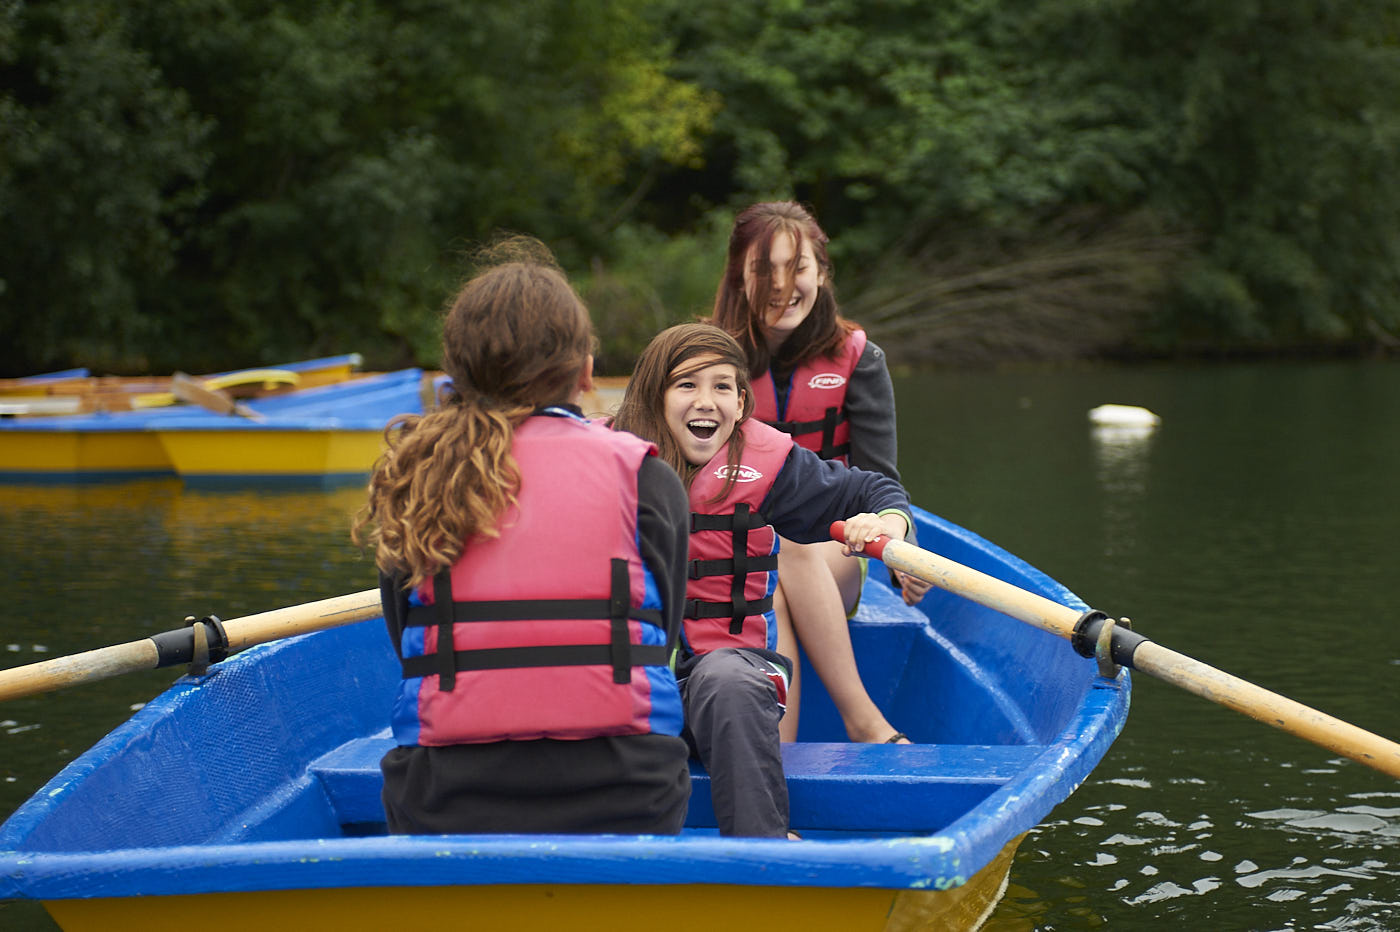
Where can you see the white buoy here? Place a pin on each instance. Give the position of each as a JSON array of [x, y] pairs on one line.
[[1123, 416]]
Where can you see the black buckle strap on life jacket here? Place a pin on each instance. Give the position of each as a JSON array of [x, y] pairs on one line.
[[699, 569], [740, 578], [738, 567], [830, 450], [446, 666], [827, 425], [619, 653], [618, 605], [695, 608], [555, 655], [420, 616], [751, 520]]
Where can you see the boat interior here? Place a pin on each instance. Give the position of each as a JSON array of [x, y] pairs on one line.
[[223, 758]]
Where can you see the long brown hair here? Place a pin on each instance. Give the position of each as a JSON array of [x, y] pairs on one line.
[[515, 338], [662, 363], [824, 330]]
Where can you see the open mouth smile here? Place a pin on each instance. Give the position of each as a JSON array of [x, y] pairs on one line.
[[702, 428]]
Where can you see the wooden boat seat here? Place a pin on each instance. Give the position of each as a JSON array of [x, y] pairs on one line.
[[940, 782]]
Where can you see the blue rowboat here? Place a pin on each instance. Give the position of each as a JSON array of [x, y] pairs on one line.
[[48, 378], [324, 435], [77, 391], [250, 795], [243, 383]]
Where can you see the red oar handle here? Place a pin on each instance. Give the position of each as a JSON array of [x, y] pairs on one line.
[[875, 548]]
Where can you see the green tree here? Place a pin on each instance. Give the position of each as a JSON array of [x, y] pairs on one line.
[[303, 177], [1261, 133], [361, 147], [100, 165], [930, 148], [1269, 129], [886, 116], [206, 183]]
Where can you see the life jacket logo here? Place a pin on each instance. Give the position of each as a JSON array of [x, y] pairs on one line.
[[826, 380], [741, 473]]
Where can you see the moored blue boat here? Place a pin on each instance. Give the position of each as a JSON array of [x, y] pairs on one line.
[[322, 435], [250, 795]]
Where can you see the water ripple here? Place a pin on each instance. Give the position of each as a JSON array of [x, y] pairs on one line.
[[1146, 866]]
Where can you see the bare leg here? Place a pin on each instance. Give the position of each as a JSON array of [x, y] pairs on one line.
[[787, 646], [846, 570], [816, 604]]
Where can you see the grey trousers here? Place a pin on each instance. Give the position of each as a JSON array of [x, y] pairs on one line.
[[733, 701]]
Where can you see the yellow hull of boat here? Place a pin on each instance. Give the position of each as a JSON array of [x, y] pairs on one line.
[[551, 907], [329, 375], [95, 452], [271, 453]]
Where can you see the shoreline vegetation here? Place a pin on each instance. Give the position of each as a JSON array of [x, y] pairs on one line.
[[226, 184]]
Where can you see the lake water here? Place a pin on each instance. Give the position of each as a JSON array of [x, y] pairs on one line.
[[1255, 530]]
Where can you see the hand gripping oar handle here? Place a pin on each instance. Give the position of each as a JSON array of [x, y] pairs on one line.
[[1138, 653], [182, 645]]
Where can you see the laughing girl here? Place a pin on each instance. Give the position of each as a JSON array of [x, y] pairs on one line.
[[816, 377], [747, 483]]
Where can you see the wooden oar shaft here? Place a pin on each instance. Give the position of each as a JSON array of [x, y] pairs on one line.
[[1148, 657], [62, 672], [978, 587], [144, 654], [1268, 707], [301, 619]]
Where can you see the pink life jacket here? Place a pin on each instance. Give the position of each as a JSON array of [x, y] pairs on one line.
[[555, 625], [733, 550], [815, 413]]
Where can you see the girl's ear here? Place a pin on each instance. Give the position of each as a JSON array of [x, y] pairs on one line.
[[585, 381]]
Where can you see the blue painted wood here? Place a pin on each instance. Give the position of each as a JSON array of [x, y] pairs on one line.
[[352, 360], [874, 788], [45, 378], [357, 404], [263, 774], [360, 404]]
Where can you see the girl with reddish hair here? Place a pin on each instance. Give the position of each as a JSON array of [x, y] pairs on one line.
[[818, 378]]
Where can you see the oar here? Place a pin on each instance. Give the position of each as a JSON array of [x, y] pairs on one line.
[[199, 642], [191, 390], [1127, 648]]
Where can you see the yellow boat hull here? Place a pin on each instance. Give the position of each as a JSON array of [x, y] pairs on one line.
[[271, 454], [551, 907], [66, 454]]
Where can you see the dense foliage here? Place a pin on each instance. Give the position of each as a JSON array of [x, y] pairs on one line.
[[212, 183], [216, 182]]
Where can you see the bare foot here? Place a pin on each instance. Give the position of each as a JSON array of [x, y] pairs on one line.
[[877, 732]]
